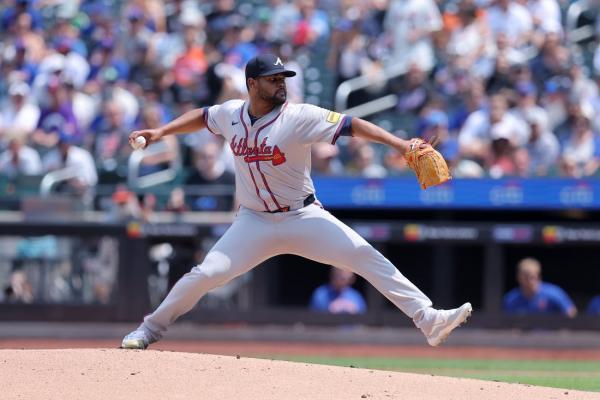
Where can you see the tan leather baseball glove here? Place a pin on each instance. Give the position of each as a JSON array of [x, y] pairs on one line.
[[427, 163]]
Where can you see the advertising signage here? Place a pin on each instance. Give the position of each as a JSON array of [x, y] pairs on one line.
[[404, 192]]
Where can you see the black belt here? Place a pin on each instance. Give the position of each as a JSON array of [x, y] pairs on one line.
[[307, 202]]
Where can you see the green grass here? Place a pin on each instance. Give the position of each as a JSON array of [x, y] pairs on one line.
[[580, 375]]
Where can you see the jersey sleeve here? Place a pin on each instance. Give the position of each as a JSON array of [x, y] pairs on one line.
[[211, 118], [219, 117], [316, 124]]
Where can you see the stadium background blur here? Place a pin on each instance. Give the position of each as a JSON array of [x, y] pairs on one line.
[[510, 87]]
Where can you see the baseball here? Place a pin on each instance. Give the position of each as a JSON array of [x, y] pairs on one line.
[[139, 143]]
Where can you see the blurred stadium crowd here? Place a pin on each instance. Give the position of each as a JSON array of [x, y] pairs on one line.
[[510, 86]]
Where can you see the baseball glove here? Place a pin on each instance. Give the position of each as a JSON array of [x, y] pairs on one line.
[[427, 163]]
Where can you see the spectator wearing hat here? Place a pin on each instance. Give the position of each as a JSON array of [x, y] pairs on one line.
[[18, 113], [79, 161], [19, 159]]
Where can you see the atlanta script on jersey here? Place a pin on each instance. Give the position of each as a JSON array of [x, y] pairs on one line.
[[273, 156]]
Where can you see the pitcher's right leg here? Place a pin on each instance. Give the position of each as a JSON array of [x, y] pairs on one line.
[[249, 241]]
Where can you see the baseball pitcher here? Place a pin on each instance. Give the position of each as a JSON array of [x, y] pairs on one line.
[[279, 211]]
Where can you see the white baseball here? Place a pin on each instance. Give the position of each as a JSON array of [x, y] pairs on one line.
[[139, 143]]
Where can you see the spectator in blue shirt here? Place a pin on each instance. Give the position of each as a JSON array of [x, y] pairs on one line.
[[338, 296], [535, 296], [594, 306]]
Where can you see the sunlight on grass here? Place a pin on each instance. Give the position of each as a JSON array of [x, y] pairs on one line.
[[580, 375]]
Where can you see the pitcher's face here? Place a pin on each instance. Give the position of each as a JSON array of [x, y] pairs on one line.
[[272, 88]]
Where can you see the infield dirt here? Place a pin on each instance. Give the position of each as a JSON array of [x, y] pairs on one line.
[[120, 374]]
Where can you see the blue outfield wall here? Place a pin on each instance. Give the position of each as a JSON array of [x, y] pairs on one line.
[[404, 192]]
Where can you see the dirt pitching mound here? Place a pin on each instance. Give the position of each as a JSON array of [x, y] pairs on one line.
[[124, 374]]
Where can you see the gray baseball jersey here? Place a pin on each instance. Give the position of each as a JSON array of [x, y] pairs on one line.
[[272, 156], [272, 159]]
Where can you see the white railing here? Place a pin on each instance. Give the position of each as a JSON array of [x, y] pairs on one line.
[[361, 82], [577, 34], [135, 181], [373, 106], [52, 178]]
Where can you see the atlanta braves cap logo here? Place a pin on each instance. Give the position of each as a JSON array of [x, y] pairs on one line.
[[265, 65]]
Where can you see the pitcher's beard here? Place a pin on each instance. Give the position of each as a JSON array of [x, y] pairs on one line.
[[279, 100], [275, 99]]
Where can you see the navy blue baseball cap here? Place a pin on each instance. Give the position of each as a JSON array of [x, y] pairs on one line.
[[266, 65]]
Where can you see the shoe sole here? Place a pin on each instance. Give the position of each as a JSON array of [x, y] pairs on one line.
[[134, 344], [458, 322]]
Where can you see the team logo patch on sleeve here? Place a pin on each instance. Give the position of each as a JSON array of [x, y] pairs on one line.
[[333, 117]]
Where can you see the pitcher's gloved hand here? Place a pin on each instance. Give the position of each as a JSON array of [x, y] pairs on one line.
[[427, 163]]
